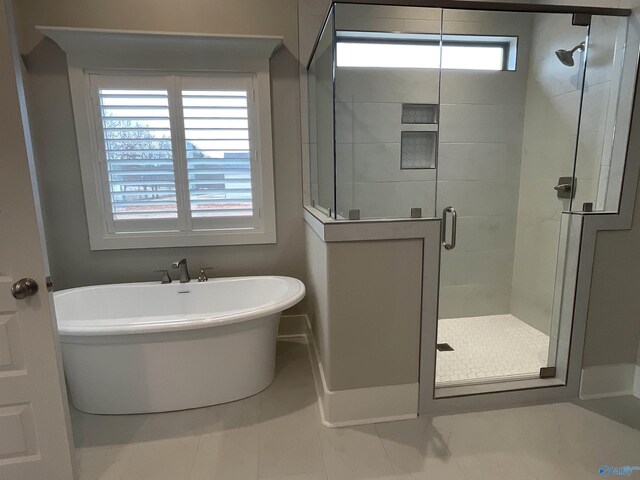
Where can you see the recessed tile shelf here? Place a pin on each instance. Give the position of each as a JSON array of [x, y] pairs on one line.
[[423, 113], [418, 150]]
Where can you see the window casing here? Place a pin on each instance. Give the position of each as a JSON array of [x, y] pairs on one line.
[[177, 153]]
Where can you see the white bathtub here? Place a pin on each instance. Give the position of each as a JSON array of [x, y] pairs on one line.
[[147, 347]]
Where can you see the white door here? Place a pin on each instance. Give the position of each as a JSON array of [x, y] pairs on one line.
[[34, 430]]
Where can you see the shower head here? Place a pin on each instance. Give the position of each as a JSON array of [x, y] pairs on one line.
[[566, 56]]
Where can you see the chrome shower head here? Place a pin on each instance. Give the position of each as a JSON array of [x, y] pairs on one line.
[[566, 56]]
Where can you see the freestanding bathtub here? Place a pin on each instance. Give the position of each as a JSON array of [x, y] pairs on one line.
[[147, 347]]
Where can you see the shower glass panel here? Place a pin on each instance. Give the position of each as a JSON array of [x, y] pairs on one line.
[[506, 138], [321, 121], [501, 124], [611, 69], [387, 94]]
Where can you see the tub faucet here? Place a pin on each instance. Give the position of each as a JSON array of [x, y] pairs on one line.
[[166, 278], [184, 272], [203, 277]]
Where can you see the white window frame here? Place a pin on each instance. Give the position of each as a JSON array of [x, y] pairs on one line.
[[118, 54]]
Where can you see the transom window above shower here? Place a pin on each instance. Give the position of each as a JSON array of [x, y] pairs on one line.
[[426, 51]]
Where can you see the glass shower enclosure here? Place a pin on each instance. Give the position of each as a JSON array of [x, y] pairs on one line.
[[508, 126]]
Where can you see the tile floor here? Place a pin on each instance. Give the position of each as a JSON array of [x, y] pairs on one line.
[[277, 435], [488, 348]]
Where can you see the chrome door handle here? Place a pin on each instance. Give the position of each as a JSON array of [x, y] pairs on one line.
[[563, 187], [23, 288], [454, 224]]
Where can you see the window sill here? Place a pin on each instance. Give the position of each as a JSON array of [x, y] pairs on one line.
[[121, 241]]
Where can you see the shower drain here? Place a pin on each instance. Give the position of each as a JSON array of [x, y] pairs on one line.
[[444, 347]]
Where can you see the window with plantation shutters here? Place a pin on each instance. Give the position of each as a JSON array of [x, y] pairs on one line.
[[177, 154], [174, 134]]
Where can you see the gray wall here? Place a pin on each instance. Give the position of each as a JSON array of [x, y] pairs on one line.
[[72, 262], [613, 322], [365, 304]]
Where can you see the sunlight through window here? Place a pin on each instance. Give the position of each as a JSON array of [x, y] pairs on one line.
[[469, 53]]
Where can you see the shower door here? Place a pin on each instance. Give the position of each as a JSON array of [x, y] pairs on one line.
[[509, 122]]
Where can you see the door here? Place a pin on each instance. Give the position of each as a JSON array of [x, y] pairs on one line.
[[34, 429], [510, 102]]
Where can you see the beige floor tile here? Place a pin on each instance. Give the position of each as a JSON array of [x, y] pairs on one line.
[[289, 445], [417, 451], [596, 439], [554, 465], [409, 439], [306, 476], [277, 434], [493, 465], [229, 455], [429, 468], [469, 434], [354, 453], [480, 450], [101, 463], [161, 459]]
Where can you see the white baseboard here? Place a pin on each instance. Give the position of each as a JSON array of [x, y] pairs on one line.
[[609, 381], [360, 406], [636, 382]]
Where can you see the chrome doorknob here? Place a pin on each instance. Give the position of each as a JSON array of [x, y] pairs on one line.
[[23, 288]]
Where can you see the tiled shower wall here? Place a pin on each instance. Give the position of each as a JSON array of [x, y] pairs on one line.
[[601, 155], [549, 145], [551, 125], [368, 120], [368, 129], [479, 169]]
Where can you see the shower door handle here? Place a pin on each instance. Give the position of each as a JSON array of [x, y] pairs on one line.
[[454, 223]]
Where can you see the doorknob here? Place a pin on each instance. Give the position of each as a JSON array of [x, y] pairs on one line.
[[24, 288]]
